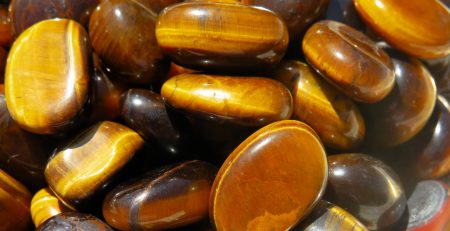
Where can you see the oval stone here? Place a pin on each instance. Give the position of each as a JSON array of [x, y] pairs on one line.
[[70, 221], [45, 205], [47, 76]]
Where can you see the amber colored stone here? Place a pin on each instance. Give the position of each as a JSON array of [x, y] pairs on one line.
[[420, 28], [14, 204], [176, 69], [106, 93], [6, 36], [251, 101], [406, 110], [123, 35], [164, 198], [45, 205], [271, 180], [47, 76], [334, 117], [298, 14], [429, 207], [367, 188], [70, 221], [221, 36], [349, 60], [25, 13], [88, 163], [326, 216], [22, 154], [145, 112]]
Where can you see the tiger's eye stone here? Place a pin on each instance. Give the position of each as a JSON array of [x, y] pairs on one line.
[[14, 204], [221, 36], [334, 117], [25, 13], [429, 206], [88, 163], [298, 14], [146, 113], [349, 60], [164, 198], [47, 76], [420, 28], [367, 188], [45, 205], [123, 35], [70, 221], [6, 36], [271, 180], [402, 114], [250, 101], [326, 216], [22, 154]]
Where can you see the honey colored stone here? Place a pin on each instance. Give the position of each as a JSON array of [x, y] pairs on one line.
[[349, 60], [221, 36], [47, 76], [14, 204], [168, 197], [250, 101], [334, 117], [45, 205], [420, 28], [326, 216], [88, 163], [271, 180]]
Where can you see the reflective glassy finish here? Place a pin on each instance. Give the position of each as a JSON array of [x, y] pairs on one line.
[[249, 101], [45, 205], [271, 180], [14, 204], [405, 111], [79, 170], [47, 76], [221, 36], [70, 221], [349, 60], [164, 198], [420, 28], [25, 13], [367, 188], [123, 35], [146, 113], [334, 117], [298, 14], [326, 216]]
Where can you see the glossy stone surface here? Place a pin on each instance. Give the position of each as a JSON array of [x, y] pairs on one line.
[[429, 206], [420, 28], [249, 101], [145, 112], [164, 198], [123, 35], [6, 36], [221, 36], [367, 188], [22, 154], [349, 60], [14, 204], [271, 180], [25, 13], [298, 14], [70, 221], [326, 216], [105, 100], [88, 163], [45, 205], [47, 76], [334, 117], [405, 111]]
